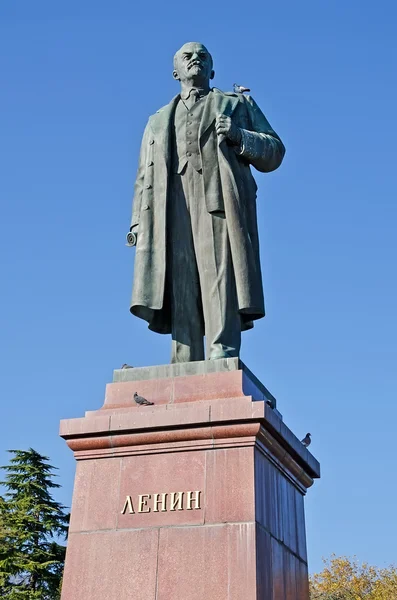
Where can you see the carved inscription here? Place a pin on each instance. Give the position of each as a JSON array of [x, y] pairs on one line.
[[162, 502]]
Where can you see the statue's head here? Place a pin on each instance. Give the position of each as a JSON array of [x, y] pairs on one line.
[[193, 64]]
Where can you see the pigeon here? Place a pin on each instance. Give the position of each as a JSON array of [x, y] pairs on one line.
[[240, 89], [125, 366], [142, 401], [307, 440]]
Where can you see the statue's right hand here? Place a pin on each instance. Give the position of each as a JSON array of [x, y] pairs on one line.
[[132, 237]]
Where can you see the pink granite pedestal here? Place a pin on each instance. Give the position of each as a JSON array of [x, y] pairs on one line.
[[199, 497]]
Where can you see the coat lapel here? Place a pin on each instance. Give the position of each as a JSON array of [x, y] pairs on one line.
[[217, 103], [161, 127]]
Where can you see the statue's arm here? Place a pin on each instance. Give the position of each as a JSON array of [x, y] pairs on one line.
[[260, 145], [138, 188]]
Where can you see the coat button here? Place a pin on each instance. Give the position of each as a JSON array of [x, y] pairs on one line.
[[148, 186], [188, 153], [151, 142], [150, 163], [145, 207]]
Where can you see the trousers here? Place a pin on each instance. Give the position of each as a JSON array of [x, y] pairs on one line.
[[200, 275]]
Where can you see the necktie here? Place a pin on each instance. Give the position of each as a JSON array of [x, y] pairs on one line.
[[193, 97]]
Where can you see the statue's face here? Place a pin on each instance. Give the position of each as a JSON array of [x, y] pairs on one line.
[[193, 63]]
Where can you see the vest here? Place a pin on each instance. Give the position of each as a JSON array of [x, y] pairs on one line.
[[186, 146]]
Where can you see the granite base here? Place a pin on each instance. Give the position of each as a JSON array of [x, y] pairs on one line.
[[198, 496]]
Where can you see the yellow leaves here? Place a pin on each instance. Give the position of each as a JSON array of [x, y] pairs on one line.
[[346, 578]]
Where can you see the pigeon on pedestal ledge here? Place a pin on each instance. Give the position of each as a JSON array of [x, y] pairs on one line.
[[142, 401]]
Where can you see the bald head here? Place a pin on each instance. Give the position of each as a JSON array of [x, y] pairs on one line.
[[193, 64]]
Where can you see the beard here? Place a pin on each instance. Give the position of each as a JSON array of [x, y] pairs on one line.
[[197, 74], [195, 70]]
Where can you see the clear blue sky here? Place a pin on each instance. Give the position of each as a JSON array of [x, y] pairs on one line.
[[78, 81]]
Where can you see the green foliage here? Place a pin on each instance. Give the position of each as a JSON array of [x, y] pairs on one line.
[[346, 579], [31, 525]]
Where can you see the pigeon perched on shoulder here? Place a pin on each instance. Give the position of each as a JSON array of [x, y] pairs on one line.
[[141, 400], [240, 89], [307, 440], [125, 366]]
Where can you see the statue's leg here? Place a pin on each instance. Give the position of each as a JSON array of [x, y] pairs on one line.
[[183, 279], [218, 289]]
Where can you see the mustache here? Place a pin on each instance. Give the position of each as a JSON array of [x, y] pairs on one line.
[[195, 63]]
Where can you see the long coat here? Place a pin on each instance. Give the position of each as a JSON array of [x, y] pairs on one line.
[[236, 200]]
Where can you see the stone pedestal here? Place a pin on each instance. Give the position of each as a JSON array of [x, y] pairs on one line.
[[199, 496]]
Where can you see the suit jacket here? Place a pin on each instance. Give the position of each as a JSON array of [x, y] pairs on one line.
[[234, 196]]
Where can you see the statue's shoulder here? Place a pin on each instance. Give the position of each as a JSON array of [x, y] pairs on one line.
[[160, 111], [218, 91], [164, 113], [167, 107], [241, 98]]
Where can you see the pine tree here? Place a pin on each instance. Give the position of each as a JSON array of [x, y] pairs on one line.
[[32, 524], [4, 546]]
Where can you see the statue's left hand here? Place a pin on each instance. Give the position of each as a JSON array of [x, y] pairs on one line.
[[225, 126]]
